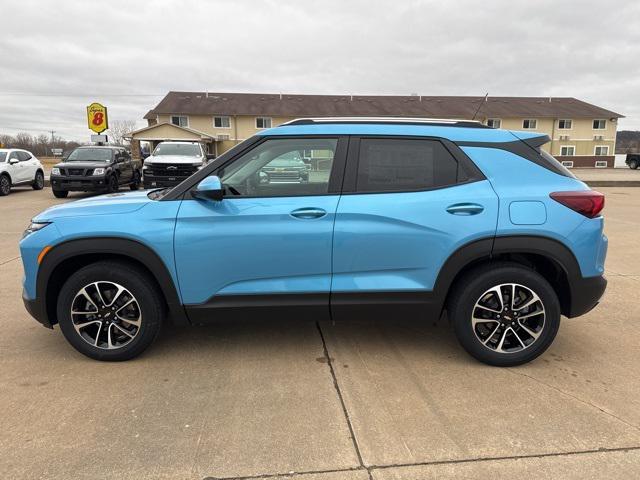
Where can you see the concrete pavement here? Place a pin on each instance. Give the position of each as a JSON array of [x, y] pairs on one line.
[[361, 400]]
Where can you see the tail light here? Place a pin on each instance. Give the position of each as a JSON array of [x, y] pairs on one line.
[[586, 202]]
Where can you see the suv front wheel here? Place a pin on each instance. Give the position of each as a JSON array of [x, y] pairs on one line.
[[504, 314], [110, 311]]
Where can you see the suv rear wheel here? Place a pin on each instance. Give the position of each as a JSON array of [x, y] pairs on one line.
[[504, 314], [110, 311], [38, 181], [633, 163], [136, 181]]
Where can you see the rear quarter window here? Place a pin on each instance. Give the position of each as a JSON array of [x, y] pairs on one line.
[[396, 165]]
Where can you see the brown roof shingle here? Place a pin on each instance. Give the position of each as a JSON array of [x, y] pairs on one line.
[[288, 105]]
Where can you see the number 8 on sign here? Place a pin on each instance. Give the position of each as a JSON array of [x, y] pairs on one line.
[[97, 117]]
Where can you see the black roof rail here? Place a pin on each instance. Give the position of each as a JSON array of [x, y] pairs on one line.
[[440, 122]]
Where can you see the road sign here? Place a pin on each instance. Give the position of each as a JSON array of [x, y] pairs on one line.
[[99, 138], [97, 117]]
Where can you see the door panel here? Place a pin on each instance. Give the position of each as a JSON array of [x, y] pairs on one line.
[[397, 242], [269, 241], [254, 246]]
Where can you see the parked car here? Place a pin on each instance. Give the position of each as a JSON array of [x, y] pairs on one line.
[[19, 167], [633, 160], [289, 168], [95, 169], [414, 219], [172, 162]]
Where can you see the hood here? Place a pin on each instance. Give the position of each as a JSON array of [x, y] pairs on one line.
[[83, 164], [173, 159], [113, 203]]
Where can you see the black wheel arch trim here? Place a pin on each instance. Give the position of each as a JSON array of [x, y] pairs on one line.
[[122, 247]]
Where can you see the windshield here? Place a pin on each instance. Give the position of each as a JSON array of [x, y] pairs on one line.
[[3, 155], [90, 154], [185, 149]]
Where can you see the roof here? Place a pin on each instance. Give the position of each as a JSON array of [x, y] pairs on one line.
[[290, 105], [451, 132], [158, 125]]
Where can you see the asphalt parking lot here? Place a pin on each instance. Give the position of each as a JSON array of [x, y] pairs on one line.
[[361, 400]]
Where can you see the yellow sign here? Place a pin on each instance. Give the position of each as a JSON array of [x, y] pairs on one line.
[[97, 117]]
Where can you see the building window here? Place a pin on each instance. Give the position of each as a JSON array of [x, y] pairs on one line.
[[567, 151], [599, 124], [530, 123], [601, 150], [565, 124], [180, 120], [494, 122], [263, 122], [221, 122]]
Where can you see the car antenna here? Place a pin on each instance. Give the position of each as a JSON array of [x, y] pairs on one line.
[[480, 106]]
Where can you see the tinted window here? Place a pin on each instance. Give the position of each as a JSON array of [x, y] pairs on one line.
[[390, 165], [277, 168], [3, 156], [24, 156]]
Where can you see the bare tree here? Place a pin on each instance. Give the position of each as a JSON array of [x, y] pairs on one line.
[[119, 128]]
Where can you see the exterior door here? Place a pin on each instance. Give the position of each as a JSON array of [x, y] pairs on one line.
[[408, 205], [268, 242], [16, 168], [29, 164], [124, 163]]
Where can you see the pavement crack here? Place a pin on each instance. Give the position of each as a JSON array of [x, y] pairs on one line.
[[505, 457], [342, 402], [570, 395], [288, 474], [9, 261]]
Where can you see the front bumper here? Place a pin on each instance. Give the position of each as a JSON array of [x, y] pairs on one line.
[[78, 184], [586, 293], [36, 310]]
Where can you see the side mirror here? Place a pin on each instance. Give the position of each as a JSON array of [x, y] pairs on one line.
[[209, 189], [13, 161]]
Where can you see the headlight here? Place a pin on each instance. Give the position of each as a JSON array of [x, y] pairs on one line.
[[34, 227], [55, 171], [98, 171]]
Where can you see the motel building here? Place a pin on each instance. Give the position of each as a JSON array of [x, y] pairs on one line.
[[582, 134]]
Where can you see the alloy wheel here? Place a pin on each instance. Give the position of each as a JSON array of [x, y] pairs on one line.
[[5, 185], [508, 318], [39, 180], [106, 315]]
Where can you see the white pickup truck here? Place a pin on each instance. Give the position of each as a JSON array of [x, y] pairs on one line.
[[172, 162]]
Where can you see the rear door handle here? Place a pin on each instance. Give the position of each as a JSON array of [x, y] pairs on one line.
[[465, 209], [308, 213]]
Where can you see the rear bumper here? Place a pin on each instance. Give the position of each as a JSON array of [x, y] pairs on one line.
[[36, 310], [82, 184], [586, 293]]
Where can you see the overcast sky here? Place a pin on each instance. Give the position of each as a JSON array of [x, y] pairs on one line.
[[58, 56]]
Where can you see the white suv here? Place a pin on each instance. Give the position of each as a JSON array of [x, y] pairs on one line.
[[19, 167]]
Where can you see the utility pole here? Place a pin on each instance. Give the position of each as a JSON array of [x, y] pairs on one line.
[[51, 147]]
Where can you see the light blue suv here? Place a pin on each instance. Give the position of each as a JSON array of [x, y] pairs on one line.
[[399, 218]]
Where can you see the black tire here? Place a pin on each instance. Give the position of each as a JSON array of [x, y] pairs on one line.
[[38, 181], [5, 185], [136, 181], [139, 283], [112, 184], [633, 164], [60, 193], [472, 288]]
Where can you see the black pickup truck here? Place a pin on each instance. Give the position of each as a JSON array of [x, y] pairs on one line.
[[93, 168], [633, 160]]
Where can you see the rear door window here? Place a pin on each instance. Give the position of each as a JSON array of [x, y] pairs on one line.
[[400, 165]]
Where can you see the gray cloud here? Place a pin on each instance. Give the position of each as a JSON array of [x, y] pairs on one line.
[[128, 54]]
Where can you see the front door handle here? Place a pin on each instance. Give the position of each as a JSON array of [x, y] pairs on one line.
[[308, 213], [465, 209]]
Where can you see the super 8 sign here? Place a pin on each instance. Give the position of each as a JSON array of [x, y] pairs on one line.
[[97, 117]]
